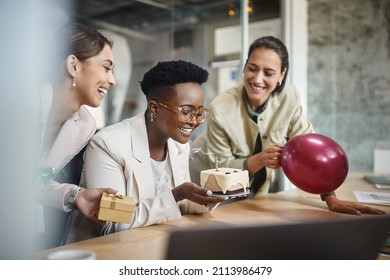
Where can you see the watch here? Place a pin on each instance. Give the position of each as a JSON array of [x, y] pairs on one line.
[[74, 192], [324, 195]]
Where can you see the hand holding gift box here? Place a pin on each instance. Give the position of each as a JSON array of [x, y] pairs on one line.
[[116, 208]]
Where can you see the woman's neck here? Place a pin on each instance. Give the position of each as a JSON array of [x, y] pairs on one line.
[[63, 106], [157, 142]]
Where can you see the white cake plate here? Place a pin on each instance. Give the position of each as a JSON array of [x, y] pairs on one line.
[[240, 194]]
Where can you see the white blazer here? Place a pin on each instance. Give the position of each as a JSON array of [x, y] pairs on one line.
[[118, 157]]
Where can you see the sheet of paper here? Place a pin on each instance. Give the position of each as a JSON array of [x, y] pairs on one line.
[[372, 197]]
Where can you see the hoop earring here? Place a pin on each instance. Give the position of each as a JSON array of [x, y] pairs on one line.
[[74, 82]]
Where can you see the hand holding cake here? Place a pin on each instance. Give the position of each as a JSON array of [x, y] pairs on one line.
[[195, 193]]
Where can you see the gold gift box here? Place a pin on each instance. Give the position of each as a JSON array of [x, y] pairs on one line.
[[116, 208]]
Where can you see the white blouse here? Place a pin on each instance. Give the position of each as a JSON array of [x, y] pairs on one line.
[[162, 173]]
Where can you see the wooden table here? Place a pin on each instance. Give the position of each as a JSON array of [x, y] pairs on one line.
[[283, 207]]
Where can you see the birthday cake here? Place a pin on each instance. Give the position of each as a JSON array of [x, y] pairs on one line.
[[225, 181]]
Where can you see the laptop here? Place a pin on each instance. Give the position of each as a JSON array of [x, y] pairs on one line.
[[380, 182], [377, 179], [351, 238]]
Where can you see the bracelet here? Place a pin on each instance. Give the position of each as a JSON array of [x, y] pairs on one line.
[[74, 192], [325, 195]]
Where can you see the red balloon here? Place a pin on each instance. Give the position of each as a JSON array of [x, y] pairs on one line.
[[314, 163]]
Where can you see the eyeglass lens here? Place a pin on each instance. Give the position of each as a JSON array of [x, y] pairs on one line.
[[188, 113]]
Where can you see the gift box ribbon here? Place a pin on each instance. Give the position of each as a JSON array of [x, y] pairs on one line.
[[113, 199]]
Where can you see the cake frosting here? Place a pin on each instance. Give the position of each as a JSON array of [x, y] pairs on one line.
[[225, 180]]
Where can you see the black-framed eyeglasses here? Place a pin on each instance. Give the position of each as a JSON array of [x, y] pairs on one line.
[[187, 113]]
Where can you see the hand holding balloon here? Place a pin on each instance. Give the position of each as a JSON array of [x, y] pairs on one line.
[[269, 157], [314, 163]]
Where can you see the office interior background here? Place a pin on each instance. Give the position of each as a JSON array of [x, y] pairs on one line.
[[339, 57]]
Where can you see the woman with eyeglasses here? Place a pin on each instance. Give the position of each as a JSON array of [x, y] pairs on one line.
[[146, 156]]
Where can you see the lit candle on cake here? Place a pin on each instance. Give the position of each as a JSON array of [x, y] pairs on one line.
[[216, 162]]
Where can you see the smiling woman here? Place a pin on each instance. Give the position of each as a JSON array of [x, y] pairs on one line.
[[146, 156], [251, 123], [81, 75], [179, 112]]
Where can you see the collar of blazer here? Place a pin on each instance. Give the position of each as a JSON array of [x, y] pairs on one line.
[[139, 142], [141, 165], [75, 133]]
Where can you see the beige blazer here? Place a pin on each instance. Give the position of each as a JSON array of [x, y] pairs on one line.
[[118, 157], [73, 136]]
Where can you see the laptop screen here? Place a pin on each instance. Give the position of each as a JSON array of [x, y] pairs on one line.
[[352, 238]]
